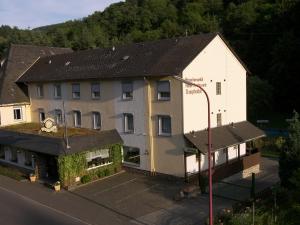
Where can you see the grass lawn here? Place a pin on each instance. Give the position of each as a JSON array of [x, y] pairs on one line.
[[270, 153]]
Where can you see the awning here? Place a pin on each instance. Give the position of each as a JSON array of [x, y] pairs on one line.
[[225, 136]]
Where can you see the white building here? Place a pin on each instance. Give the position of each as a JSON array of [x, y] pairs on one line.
[[133, 88]]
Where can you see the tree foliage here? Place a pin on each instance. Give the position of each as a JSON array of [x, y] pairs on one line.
[[265, 33]]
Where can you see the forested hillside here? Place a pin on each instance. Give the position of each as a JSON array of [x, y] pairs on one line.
[[265, 33]]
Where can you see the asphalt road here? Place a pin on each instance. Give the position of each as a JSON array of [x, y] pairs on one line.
[[19, 210]]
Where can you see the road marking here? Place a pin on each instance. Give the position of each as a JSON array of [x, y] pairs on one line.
[[115, 186], [46, 206], [132, 195]]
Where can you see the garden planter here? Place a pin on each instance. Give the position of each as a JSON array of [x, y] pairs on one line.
[[57, 186], [32, 177]]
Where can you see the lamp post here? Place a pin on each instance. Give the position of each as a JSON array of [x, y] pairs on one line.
[[209, 145]]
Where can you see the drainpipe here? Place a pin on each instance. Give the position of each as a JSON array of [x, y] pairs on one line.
[[150, 127]]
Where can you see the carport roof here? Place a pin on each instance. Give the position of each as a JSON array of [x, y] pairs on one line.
[[225, 136], [57, 146]]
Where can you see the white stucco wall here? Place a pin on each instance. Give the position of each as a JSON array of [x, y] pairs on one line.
[[136, 106], [191, 164], [216, 63], [7, 114], [220, 157]]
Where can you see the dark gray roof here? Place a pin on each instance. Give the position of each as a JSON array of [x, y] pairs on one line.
[[157, 58], [20, 58], [56, 146], [225, 136]]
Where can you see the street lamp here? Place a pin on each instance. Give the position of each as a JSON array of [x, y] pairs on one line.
[[209, 145]]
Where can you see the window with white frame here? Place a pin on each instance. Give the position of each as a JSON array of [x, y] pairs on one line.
[[77, 119], [98, 158], [219, 119], [218, 88], [17, 113], [57, 91], [95, 89], [128, 123], [131, 154], [58, 116], [40, 90], [164, 126], [163, 90], [76, 91], [42, 116], [127, 90], [96, 120]]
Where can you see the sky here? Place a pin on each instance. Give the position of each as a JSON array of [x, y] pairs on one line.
[[34, 13]]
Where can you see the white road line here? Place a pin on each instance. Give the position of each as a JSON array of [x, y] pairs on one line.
[[41, 204], [132, 195], [115, 186]]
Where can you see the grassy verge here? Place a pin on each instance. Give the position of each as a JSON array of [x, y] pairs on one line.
[[12, 173], [270, 153]]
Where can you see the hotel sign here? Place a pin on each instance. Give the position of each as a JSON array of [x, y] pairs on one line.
[[192, 90]]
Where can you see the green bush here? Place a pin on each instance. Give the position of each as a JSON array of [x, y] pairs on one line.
[[11, 172], [106, 172], [86, 179], [100, 173]]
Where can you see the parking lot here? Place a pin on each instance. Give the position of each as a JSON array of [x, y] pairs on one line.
[[132, 195]]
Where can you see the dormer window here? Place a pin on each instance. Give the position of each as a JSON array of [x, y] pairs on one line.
[[163, 90]]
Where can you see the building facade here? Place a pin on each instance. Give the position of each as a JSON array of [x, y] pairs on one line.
[[134, 89]]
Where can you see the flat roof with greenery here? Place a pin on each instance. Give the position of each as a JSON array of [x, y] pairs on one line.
[[35, 128]]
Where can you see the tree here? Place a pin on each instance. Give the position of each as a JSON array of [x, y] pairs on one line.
[[289, 160]]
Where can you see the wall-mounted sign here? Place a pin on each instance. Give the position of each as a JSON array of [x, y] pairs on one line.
[[49, 125], [192, 90]]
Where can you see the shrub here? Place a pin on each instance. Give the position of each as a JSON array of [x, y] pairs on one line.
[[11, 172], [106, 172], [86, 179], [100, 173]]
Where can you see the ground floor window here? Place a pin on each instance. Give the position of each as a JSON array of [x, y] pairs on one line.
[[28, 159], [17, 114], [131, 154], [98, 158], [2, 152], [14, 156]]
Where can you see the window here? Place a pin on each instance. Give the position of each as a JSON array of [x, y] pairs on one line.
[[28, 158], [128, 123], [42, 116], [127, 90], [164, 125], [131, 154], [2, 153], [95, 89], [40, 91], [218, 88], [17, 114], [76, 91], [77, 119], [14, 156], [58, 116], [96, 120], [98, 158], [163, 90], [57, 91], [219, 119]]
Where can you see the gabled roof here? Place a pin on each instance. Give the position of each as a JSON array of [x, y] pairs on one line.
[[56, 146], [20, 58], [166, 57], [225, 136]]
